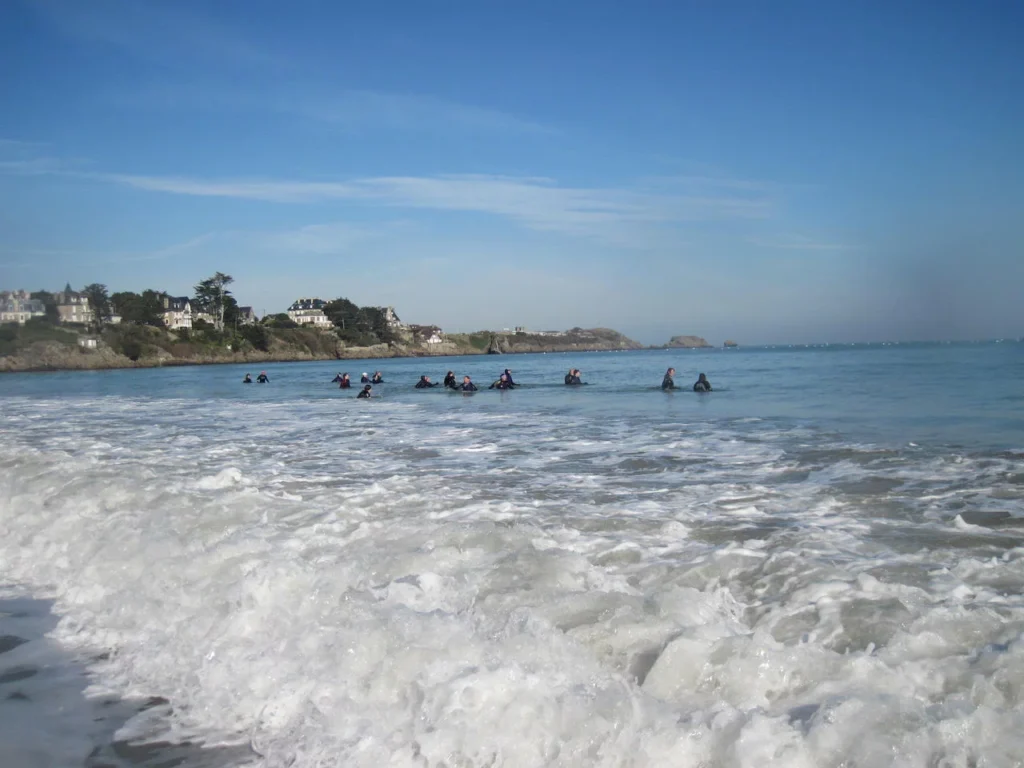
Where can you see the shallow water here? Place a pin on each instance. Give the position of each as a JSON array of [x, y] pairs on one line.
[[819, 564]]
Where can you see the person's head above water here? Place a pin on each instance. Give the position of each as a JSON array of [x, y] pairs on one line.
[[702, 377], [466, 378], [367, 388], [670, 372], [424, 378]]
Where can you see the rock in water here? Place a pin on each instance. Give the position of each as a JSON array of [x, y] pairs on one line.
[[688, 342]]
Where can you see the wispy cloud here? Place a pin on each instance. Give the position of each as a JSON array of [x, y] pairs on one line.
[[792, 242], [539, 204]]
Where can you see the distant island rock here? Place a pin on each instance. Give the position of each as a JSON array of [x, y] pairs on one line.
[[730, 343], [687, 342]]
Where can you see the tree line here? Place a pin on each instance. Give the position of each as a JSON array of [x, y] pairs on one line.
[[360, 326]]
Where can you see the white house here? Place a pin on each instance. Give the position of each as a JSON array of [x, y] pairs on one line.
[[247, 316], [309, 312], [177, 312], [17, 307]]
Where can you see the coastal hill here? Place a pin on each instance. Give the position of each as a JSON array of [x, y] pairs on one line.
[[40, 346], [687, 342]]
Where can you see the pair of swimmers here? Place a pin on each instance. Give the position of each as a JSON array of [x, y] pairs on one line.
[[572, 378], [701, 385], [261, 379]]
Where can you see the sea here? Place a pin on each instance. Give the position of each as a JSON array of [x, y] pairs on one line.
[[819, 563]]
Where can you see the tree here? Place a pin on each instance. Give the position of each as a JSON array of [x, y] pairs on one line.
[[99, 302], [343, 313], [230, 311], [280, 320], [146, 308], [49, 304], [210, 296]]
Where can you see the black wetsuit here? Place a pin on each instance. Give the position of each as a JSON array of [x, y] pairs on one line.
[[247, 380], [702, 386], [364, 393], [449, 381], [364, 380], [344, 383], [468, 387], [262, 379], [568, 379], [377, 380], [667, 382], [336, 379], [575, 381], [501, 384], [508, 375], [424, 384]]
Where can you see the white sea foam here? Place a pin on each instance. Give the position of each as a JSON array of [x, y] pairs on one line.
[[413, 587]]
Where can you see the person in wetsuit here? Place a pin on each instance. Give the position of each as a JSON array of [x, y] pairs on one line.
[[377, 378], [574, 378], [503, 382], [365, 392], [702, 384], [336, 379], [668, 382], [449, 380], [344, 382], [262, 378], [467, 385], [508, 375], [569, 375], [365, 379], [247, 379], [425, 383]]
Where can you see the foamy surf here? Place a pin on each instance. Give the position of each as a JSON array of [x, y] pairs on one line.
[[294, 585]]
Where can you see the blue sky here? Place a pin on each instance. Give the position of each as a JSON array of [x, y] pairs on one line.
[[764, 171]]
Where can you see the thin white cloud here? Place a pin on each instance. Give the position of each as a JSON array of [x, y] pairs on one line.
[[539, 204], [793, 242]]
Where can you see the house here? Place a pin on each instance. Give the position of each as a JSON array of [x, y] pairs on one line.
[[177, 312], [87, 342], [435, 338], [246, 316], [309, 312], [392, 319], [17, 307], [72, 306]]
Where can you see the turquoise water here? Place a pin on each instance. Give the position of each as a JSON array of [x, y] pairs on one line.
[[959, 394], [820, 563]]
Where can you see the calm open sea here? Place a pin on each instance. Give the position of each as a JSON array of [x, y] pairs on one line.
[[821, 563]]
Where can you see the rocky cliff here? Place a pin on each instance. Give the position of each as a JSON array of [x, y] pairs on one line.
[[145, 347]]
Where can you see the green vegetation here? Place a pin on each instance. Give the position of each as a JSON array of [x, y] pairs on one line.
[[16, 338], [359, 326], [144, 308]]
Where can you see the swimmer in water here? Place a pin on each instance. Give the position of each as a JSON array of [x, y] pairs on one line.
[[336, 379], [511, 384], [247, 379], [262, 378], [702, 384], [377, 378], [365, 392], [425, 383], [365, 379], [467, 385], [344, 382], [668, 382], [503, 382], [449, 380]]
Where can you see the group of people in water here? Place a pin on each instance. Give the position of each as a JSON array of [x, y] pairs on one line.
[[504, 381], [701, 385]]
